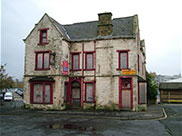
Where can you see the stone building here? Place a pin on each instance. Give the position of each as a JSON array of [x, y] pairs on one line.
[[98, 64]]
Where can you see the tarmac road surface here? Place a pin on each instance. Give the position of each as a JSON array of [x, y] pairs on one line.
[[173, 122], [15, 122]]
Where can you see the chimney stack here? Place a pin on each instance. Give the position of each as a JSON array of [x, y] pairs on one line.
[[105, 24]]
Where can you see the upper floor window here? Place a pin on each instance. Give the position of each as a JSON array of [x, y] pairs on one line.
[[89, 61], [123, 59], [43, 36], [138, 61], [75, 61], [42, 60]]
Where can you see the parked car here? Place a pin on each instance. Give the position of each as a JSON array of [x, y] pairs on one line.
[[19, 92], [8, 96]]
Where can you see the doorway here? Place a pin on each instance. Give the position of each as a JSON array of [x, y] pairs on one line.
[[125, 94], [75, 94]]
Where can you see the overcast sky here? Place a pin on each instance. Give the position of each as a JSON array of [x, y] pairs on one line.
[[160, 24]]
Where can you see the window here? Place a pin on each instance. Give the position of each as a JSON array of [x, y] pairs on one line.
[[126, 83], [138, 60], [89, 63], [75, 61], [89, 92], [123, 59], [42, 61], [142, 87], [41, 93], [43, 36]]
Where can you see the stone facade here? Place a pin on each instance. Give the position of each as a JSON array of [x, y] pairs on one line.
[[98, 87]]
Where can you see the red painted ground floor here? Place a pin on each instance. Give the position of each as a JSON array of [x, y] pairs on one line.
[[126, 93]]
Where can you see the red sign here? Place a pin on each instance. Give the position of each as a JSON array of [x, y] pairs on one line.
[[65, 67]]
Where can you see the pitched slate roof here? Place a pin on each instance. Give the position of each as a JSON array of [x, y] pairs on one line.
[[122, 27]]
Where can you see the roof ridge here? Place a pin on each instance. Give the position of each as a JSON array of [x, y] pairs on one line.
[[80, 23]]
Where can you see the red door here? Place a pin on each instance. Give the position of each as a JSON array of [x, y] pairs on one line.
[[125, 94]]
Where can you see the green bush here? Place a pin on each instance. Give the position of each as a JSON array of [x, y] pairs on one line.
[[152, 86]]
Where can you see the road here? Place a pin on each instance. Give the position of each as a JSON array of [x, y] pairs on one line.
[[33, 124], [41, 125], [173, 123]]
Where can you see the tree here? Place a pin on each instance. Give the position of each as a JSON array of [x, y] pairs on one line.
[[152, 86], [5, 80]]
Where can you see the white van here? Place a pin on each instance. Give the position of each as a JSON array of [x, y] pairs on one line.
[[8, 96]]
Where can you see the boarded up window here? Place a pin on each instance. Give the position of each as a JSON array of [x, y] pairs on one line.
[[89, 92], [75, 61], [47, 93], [76, 93], [39, 60], [46, 60], [142, 93], [123, 60], [89, 61], [38, 93]]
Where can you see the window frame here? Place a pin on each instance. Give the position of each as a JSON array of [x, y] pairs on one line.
[[36, 60], [86, 53], [93, 92], [138, 62], [40, 36], [119, 59], [72, 63], [66, 85], [43, 83], [139, 91]]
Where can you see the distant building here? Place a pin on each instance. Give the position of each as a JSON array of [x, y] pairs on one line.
[[171, 91], [98, 64], [164, 78]]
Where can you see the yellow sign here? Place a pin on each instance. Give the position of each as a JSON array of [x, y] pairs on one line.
[[129, 72]]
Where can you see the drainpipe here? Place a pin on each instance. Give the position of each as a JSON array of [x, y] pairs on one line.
[[82, 78], [94, 70]]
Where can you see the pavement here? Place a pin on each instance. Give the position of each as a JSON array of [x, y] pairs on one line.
[[154, 112]]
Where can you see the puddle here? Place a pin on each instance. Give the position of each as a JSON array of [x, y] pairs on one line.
[[71, 126]]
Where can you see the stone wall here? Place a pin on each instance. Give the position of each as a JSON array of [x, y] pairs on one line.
[[56, 45], [107, 74]]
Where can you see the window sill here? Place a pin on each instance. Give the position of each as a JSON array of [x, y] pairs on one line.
[[123, 69], [41, 69], [89, 102], [41, 103], [75, 69], [42, 43], [142, 103], [89, 70]]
